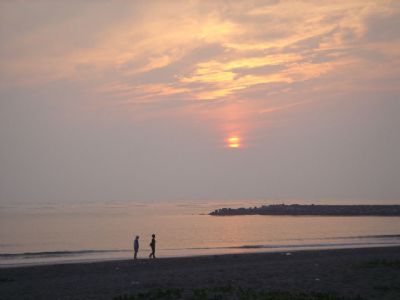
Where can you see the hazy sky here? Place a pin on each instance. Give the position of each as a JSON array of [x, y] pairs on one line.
[[199, 100]]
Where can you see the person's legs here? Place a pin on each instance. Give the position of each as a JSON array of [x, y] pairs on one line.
[[135, 255], [152, 254]]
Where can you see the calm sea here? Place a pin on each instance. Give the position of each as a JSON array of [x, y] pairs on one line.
[[50, 233]]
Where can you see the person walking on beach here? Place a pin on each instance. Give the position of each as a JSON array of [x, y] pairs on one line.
[[153, 246], [135, 247]]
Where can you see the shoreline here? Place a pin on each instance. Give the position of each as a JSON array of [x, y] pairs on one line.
[[341, 271], [244, 251]]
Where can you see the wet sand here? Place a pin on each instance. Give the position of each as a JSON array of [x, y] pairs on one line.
[[373, 273]]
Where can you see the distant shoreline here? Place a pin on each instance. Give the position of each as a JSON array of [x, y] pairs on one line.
[[312, 210]]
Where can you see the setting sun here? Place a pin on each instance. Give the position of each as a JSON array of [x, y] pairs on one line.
[[234, 142]]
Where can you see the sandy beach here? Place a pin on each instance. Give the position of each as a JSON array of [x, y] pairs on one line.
[[372, 273]]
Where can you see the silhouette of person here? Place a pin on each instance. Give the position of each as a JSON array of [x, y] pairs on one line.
[[135, 247], [153, 246]]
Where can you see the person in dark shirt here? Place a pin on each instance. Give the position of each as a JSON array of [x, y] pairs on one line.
[[153, 247], [135, 247]]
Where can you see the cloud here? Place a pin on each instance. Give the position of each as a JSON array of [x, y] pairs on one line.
[[197, 50]]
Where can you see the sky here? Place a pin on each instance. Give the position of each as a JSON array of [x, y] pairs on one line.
[[199, 100]]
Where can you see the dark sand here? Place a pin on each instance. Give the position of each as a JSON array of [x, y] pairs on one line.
[[347, 272]]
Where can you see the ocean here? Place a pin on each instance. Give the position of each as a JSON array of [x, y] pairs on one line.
[[62, 233]]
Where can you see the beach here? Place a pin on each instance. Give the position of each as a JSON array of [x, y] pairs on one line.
[[372, 273]]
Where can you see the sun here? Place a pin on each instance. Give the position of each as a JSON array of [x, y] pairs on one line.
[[233, 142]]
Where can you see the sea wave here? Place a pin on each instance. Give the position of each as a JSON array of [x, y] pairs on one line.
[[49, 254], [318, 245], [383, 236], [337, 242], [294, 246]]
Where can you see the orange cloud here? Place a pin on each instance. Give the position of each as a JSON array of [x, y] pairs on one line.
[[152, 51]]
